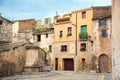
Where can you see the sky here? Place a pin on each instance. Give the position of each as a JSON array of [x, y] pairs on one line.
[[40, 9]]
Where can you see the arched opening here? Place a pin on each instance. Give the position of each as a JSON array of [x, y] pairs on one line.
[[103, 63]]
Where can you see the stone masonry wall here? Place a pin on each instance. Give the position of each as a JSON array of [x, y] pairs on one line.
[[27, 24], [102, 45], [5, 30], [13, 61]]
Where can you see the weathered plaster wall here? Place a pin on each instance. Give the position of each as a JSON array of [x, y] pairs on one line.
[[32, 57], [71, 54], [116, 39], [16, 59], [15, 32], [13, 60]]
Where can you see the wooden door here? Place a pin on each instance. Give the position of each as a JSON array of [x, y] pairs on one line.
[[103, 63], [68, 64]]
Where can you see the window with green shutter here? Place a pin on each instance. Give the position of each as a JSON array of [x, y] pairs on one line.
[[83, 34]]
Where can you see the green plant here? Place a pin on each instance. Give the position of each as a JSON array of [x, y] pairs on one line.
[[60, 35], [83, 35]]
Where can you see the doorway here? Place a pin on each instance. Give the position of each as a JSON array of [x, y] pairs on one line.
[[103, 63], [56, 63], [69, 64]]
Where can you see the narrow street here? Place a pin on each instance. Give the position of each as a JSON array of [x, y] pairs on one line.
[[61, 75]]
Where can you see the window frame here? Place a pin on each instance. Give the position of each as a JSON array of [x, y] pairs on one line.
[[69, 31], [83, 14], [50, 48], [64, 48], [104, 33], [39, 37], [46, 35], [60, 34], [82, 48], [102, 22], [83, 60]]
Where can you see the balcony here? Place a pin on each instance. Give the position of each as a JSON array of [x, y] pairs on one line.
[[83, 36], [82, 49], [69, 34], [60, 35]]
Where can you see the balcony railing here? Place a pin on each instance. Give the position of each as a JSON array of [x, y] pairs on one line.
[[60, 35], [83, 35], [69, 34]]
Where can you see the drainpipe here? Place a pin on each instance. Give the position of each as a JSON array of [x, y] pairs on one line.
[[76, 34], [76, 59]]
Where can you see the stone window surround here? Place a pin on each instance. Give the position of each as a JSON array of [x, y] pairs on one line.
[[61, 33], [64, 48], [102, 22], [50, 48], [83, 49], [69, 31], [83, 14]]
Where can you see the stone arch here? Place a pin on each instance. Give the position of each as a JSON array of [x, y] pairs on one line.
[[103, 62], [46, 57]]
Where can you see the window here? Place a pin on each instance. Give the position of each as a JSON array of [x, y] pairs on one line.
[[1, 22], [83, 47], [104, 33], [38, 37], [50, 48], [61, 33], [102, 22], [83, 14], [46, 35], [69, 31], [64, 48], [83, 34], [83, 60]]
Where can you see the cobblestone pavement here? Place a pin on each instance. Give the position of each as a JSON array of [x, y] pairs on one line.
[[61, 75]]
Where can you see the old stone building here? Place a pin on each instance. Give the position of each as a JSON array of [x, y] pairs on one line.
[[12, 58], [102, 28], [115, 39], [64, 43], [44, 38], [19, 57], [74, 39], [22, 30], [5, 29]]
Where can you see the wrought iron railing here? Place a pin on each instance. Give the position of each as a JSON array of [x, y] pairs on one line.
[[83, 35]]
